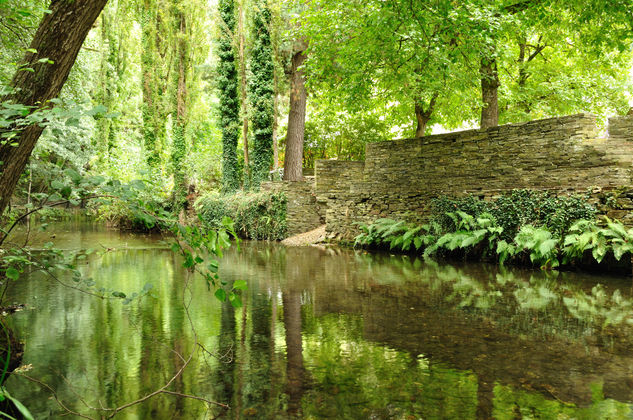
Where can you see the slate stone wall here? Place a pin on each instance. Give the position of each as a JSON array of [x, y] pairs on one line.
[[303, 213], [398, 179]]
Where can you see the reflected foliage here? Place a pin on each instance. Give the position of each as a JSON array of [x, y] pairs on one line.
[[379, 337]]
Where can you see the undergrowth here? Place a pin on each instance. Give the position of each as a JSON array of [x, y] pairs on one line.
[[523, 227], [260, 215]]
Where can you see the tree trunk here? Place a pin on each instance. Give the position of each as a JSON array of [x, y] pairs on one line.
[[293, 163], [179, 145], [489, 93], [59, 38], [229, 100], [423, 117], [242, 58], [275, 121]]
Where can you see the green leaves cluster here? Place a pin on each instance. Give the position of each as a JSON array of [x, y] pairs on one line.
[[481, 237], [259, 215], [516, 209], [549, 61], [198, 247]]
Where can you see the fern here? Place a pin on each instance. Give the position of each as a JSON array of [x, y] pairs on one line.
[[483, 235]]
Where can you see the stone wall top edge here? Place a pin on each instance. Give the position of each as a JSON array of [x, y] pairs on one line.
[[326, 165], [474, 134], [340, 162]]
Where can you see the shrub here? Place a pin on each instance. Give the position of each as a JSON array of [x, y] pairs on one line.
[[527, 227], [517, 209], [260, 215]]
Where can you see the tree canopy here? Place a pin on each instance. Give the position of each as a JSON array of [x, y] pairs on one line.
[[181, 91]]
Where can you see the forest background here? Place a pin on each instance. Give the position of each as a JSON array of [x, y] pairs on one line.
[[179, 92]]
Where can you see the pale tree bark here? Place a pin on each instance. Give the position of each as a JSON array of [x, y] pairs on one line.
[[424, 116], [293, 163], [275, 120], [59, 38], [489, 92]]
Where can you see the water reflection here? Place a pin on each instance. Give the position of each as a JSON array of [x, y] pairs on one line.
[[331, 334]]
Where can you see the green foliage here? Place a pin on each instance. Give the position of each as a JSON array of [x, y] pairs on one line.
[[334, 132], [540, 244], [24, 412], [259, 215], [178, 153], [261, 92], [549, 61], [548, 245], [516, 209], [395, 234], [587, 235], [198, 247]]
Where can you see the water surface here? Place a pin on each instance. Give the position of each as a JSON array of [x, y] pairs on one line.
[[324, 333]]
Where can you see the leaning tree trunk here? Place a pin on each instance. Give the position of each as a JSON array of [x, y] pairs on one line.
[[58, 38], [489, 93], [293, 163]]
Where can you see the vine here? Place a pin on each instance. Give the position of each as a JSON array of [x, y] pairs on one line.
[[229, 103], [261, 93]]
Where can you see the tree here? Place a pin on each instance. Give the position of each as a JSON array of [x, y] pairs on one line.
[[243, 86], [179, 112], [229, 103], [152, 77], [453, 64], [406, 56], [293, 163], [261, 93], [45, 69]]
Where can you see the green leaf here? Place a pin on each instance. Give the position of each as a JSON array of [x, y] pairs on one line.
[[26, 414], [220, 294], [73, 175], [66, 191], [12, 273], [240, 285], [235, 300]]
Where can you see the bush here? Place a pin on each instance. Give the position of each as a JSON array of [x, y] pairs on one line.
[[259, 215], [524, 227], [516, 209]]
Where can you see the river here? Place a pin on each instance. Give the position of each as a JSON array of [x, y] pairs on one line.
[[324, 333]]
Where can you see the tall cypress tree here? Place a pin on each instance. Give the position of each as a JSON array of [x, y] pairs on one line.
[[261, 93], [229, 102]]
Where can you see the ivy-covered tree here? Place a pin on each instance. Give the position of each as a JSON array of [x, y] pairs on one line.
[[179, 112], [261, 93], [152, 38], [229, 102]]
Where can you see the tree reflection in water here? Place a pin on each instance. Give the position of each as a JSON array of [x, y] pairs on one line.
[[334, 334]]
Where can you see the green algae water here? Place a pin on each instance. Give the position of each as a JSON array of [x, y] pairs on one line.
[[323, 334]]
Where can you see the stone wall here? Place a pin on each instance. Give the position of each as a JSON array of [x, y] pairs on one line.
[[303, 212], [398, 179]]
